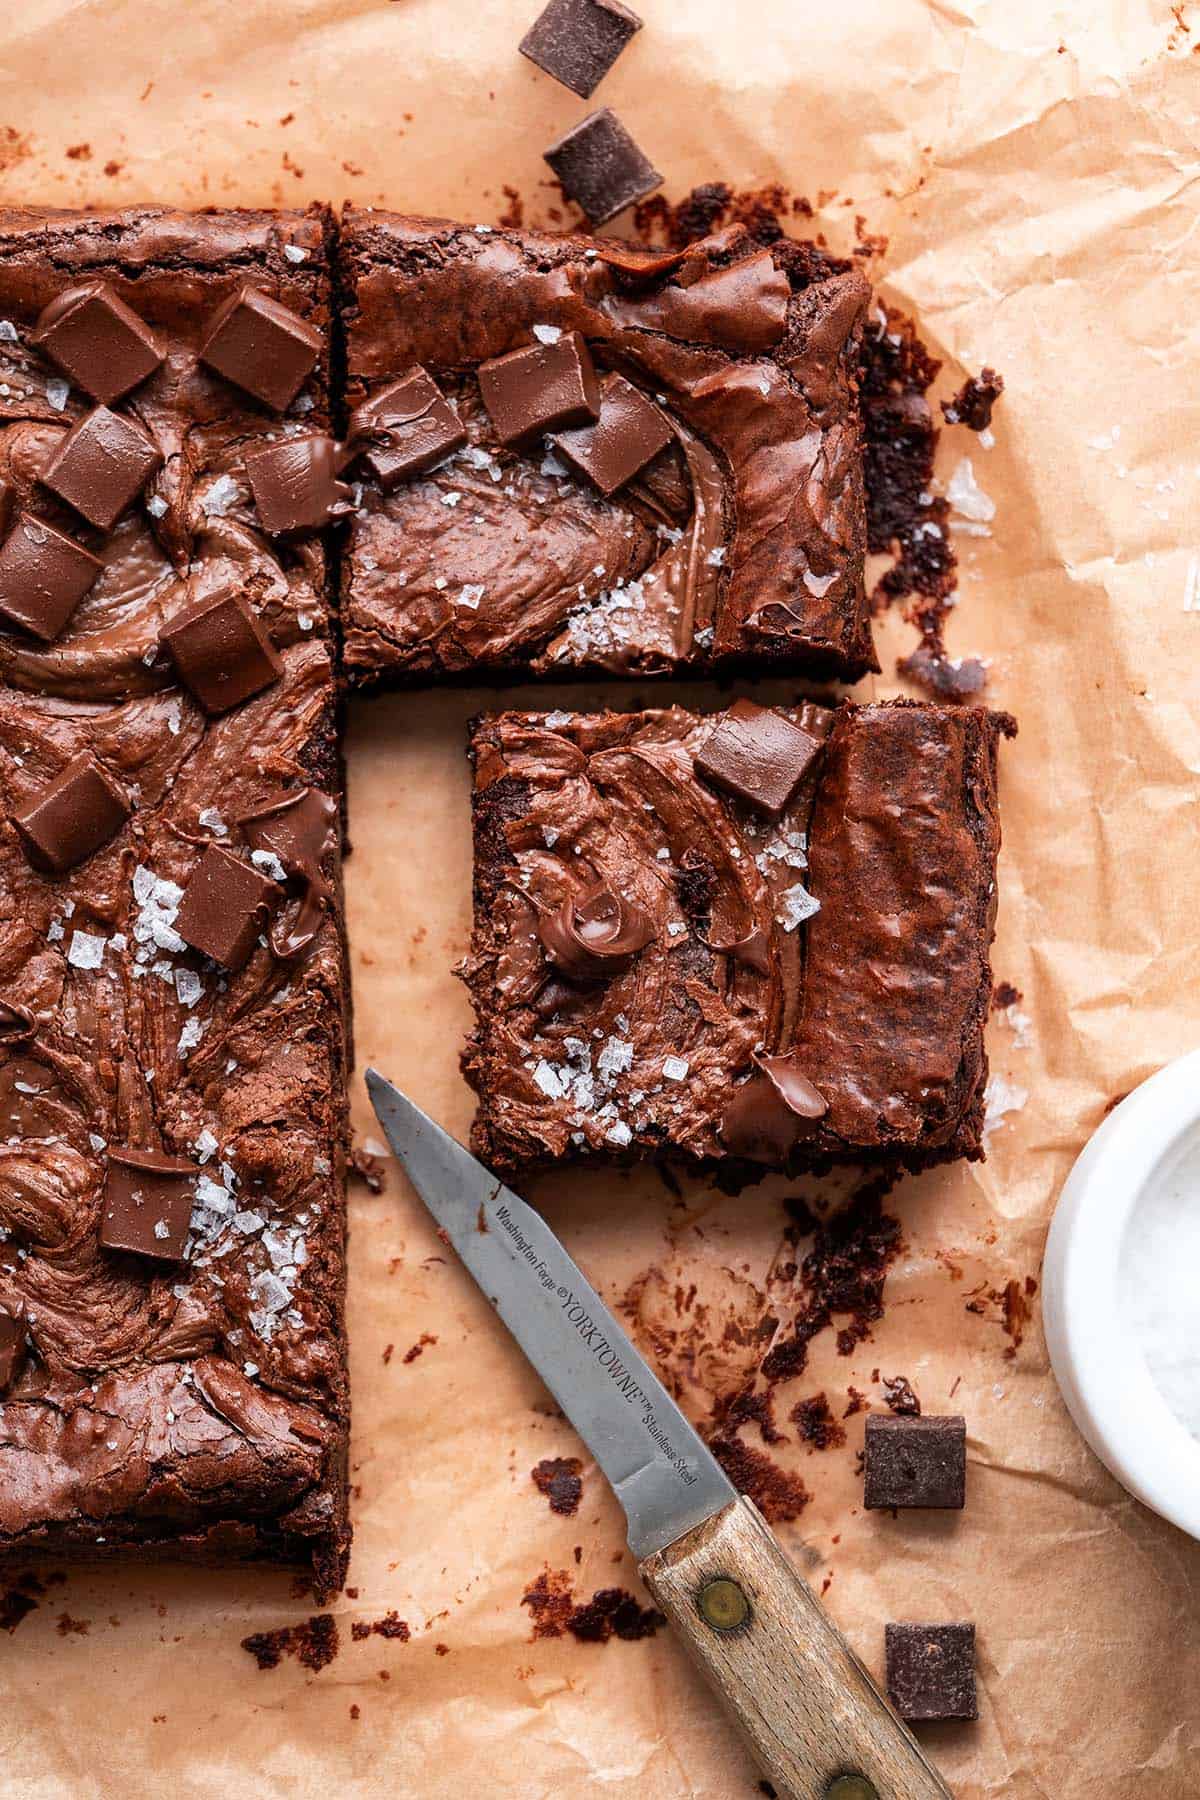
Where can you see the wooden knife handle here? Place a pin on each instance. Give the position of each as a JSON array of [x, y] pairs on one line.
[[815, 1721]]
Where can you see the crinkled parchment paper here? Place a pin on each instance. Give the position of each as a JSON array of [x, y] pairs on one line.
[[1034, 167]]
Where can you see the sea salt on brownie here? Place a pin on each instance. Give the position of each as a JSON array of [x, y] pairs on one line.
[[758, 938], [173, 1028], [579, 457]]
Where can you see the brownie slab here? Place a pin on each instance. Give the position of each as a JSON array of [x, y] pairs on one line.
[[740, 543], [172, 1208], [662, 966]]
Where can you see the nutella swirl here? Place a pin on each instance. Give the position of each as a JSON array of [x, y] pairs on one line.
[[595, 937]]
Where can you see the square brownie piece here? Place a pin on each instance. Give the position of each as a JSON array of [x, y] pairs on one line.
[[931, 1671], [914, 1462], [174, 1142], [663, 967], [740, 542]]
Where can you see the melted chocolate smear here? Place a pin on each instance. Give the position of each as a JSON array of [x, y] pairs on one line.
[[390, 1626], [610, 1613], [314, 1643], [778, 1494], [559, 1478]]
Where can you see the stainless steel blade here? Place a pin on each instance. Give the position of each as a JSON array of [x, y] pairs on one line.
[[665, 1477]]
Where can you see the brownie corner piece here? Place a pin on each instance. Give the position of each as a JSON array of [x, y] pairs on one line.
[[684, 925], [702, 507]]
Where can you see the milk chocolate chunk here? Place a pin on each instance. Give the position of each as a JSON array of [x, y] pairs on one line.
[[102, 464], [601, 168], [541, 388], [98, 341], [578, 41], [77, 812], [931, 1671], [221, 652], [596, 937], [405, 429], [295, 485], [766, 1117], [226, 907], [262, 347], [757, 755], [12, 1346], [44, 574], [300, 830], [147, 1205], [915, 1462], [630, 432]]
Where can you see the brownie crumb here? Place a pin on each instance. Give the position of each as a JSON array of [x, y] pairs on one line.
[[441, 1649], [418, 1349], [972, 405], [611, 1612], [355, 1712], [1004, 994], [390, 1626], [901, 1397], [843, 1277], [559, 1478], [314, 1643], [816, 1424], [66, 1626], [856, 1402]]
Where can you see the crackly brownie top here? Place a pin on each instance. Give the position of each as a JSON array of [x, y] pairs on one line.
[[170, 967], [681, 920], [742, 538]]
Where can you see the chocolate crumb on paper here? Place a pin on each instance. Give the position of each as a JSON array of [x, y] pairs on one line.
[[900, 1395], [611, 1612], [390, 1626], [313, 1642], [972, 405], [559, 1478]]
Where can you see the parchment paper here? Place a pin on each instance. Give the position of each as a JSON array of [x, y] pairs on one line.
[[1035, 169]]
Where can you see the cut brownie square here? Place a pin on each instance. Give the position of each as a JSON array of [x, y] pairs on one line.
[[662, 967], [738, 543], [172, 1208]]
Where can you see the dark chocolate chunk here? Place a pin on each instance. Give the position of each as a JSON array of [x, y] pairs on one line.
[[73, 815], [221, 651], [915, 1462], [596, 937], [12, 1346], [102, 464], [226, 907], [295, 484], [300, 830], [931, 1671], [44, 574], [147, 1203], [262, 347], [601, 168], [541, 388], [97, 340], [405, 429], [757, 755], [630, 432], [578, 41]]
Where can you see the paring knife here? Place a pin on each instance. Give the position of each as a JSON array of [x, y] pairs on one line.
[[815, 1721]]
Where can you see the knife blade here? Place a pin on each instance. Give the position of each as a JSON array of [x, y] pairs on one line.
[[812, 1715]]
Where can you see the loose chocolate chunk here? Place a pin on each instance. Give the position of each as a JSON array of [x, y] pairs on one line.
[[73, 815], [915, 1462], [44, 574], [758, 755], [596, 937], [262, 347], [226, 907], [102, 464], [578, 41], [147, 1203], [221, 651], [542, 388], [601, 168], [630, 432], [301, 831], [931, 1670], [98, 341], [295, 484], [405, 429], [12, 1346]]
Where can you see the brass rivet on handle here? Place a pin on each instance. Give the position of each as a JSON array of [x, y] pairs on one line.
[[722, 1604], [851, 1787]]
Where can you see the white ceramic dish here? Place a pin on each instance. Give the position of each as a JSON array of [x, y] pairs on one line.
[[1123, 1252]]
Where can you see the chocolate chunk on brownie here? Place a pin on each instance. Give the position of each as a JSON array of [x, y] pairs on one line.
[[710, 516], [174, 1126], [931, 1671], [778, 968], [915, 1462]]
